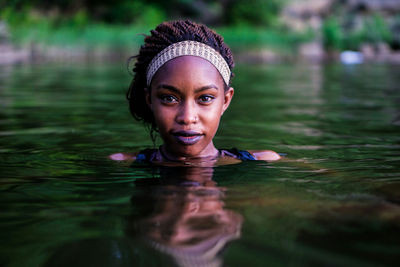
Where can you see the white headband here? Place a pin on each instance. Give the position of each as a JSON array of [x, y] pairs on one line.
[[189, 48]]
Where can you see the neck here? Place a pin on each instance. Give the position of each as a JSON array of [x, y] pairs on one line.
[[209, 153]]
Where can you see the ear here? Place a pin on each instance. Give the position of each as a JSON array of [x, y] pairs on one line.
[[227, 98], [148, 98]]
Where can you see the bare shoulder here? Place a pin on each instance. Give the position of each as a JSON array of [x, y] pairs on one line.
[[123, 156], [267, 155]]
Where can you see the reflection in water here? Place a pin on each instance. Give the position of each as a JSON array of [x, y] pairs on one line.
[[177, 216], [187, 220]]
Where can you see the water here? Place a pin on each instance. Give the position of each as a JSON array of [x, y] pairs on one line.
[[333, 201]]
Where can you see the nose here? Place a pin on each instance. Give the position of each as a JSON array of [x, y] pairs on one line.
[[187, 113]]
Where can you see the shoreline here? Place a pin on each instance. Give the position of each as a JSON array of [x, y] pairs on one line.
[[309, 53]]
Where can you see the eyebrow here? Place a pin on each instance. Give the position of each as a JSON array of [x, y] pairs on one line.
[[174, 89]]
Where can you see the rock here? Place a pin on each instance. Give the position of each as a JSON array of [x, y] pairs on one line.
[[391, 6], [8, 53], [351, 57], [368, 51], [313, 51], [300, 15], [4, 33], [383, 50]]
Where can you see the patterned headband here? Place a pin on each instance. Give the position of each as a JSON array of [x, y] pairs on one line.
[[189, 48]]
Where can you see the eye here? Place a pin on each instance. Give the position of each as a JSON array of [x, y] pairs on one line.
[[205, 99], [168, 99]]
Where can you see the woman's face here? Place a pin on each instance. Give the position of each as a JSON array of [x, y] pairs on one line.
[[187, 99]]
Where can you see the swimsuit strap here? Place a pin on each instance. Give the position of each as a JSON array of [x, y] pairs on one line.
[[243, 155], [146, 155]]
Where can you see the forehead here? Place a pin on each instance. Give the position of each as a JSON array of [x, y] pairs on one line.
[[188, 70]]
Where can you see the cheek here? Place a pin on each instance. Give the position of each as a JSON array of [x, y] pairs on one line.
[[163, 116], [212, 118], [215, 112]]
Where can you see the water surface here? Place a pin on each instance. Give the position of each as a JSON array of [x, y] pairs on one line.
[[334, 200]]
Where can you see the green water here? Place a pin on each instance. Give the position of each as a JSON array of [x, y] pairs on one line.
[[333, 201]]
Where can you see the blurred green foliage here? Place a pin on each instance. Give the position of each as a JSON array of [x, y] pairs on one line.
[[254, 12], [332, 34], [373, 29], [377, 30], [249, 12], [245, 22], [111, 23], [80, 13]]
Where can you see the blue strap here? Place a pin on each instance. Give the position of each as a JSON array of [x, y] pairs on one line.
[[243, 155], [145, 156], [140, 157]]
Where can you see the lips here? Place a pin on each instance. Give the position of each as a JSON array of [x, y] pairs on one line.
[[187, 137]]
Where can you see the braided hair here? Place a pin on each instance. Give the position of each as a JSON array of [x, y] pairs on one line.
[[162, 36]]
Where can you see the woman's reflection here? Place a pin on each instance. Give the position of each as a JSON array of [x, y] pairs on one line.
[[187, 219]]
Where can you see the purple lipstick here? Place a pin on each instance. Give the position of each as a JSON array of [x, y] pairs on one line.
[[187, 137]]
